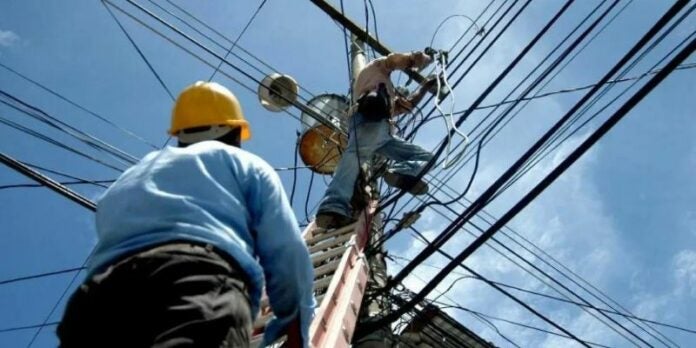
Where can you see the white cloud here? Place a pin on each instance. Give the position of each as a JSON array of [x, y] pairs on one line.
[[8, 38], [569, 221], [685, 272]]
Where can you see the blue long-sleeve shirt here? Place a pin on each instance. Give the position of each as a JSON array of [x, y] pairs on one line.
[[216, 194]]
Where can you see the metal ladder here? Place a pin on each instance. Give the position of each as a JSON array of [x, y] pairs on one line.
[[340, 277]]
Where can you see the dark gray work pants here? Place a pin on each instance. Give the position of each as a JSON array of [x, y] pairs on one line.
[[176, 295]]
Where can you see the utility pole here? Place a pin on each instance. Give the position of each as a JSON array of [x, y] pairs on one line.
[[358, 60], [376, 263]]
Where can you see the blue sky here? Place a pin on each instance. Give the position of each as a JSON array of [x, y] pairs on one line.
[[623, 216]]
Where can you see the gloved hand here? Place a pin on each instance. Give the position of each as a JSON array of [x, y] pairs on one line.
[[431, 81], [433, 52], [430, 51], [430, 84]]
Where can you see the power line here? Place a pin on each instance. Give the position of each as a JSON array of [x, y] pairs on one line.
[[555, 298], [56, 143], [658, 332], [140, 53], [28, 327], [55, 123], [592, 139], [512, 322], [322, 120], [40, 275], [578, 89], [65, 183], [238, 37], [64, 191], [489, 89], [418, 298], [213, 41], [485, 196], [90, 112], [63, 174]]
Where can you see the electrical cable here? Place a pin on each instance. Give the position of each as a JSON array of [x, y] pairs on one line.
[[562, 68], [251, 20], [220, 45], [309, 193], [602, 130], [348, 65], [460, 167], [685, 66], [419, 298], [441, 70], [197, 56], [140, 53], [488, 90], [52, 141], [40, 275], [484, 197], [488, 316], [89, 112], [28, 327], [551, 297], [54, 122], [294, 171], [219, 34], [485, 50], [528, 271], [529, 88], [63, 174], [66, 192], [545, 150], [549, 277], [439, 26], [209, 51], [65, 183]]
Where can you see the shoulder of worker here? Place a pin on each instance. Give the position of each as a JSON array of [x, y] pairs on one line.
[[243, 158], [407, 60]]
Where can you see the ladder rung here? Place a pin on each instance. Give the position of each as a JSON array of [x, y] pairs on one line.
[[326, 269], [325, 235], [323, 283], [319, 258], [326, 244]]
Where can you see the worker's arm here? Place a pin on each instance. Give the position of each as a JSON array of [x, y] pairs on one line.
[[403, 105], [288, 270], [404, 61]]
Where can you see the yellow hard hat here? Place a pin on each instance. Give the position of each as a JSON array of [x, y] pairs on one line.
[[207, 104]]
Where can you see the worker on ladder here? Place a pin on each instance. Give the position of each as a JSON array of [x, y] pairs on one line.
[[370, 132], [186, 238]]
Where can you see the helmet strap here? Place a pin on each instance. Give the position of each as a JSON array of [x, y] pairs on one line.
[[225, 134]]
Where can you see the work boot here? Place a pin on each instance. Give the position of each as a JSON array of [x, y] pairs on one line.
[[406, 182], [331, 220]]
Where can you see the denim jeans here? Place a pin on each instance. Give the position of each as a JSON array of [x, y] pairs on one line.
[[365, 139]]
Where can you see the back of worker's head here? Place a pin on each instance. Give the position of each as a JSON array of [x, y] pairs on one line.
[[208, 111]]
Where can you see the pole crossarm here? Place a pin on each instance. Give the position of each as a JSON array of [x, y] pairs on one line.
[[361, 34]]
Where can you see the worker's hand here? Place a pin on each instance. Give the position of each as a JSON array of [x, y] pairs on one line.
[[435, 54], [430, 81], [430, 51], [421, 60], [294, 335]]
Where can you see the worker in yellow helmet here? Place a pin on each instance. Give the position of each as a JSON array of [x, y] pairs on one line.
[[187, 239]]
